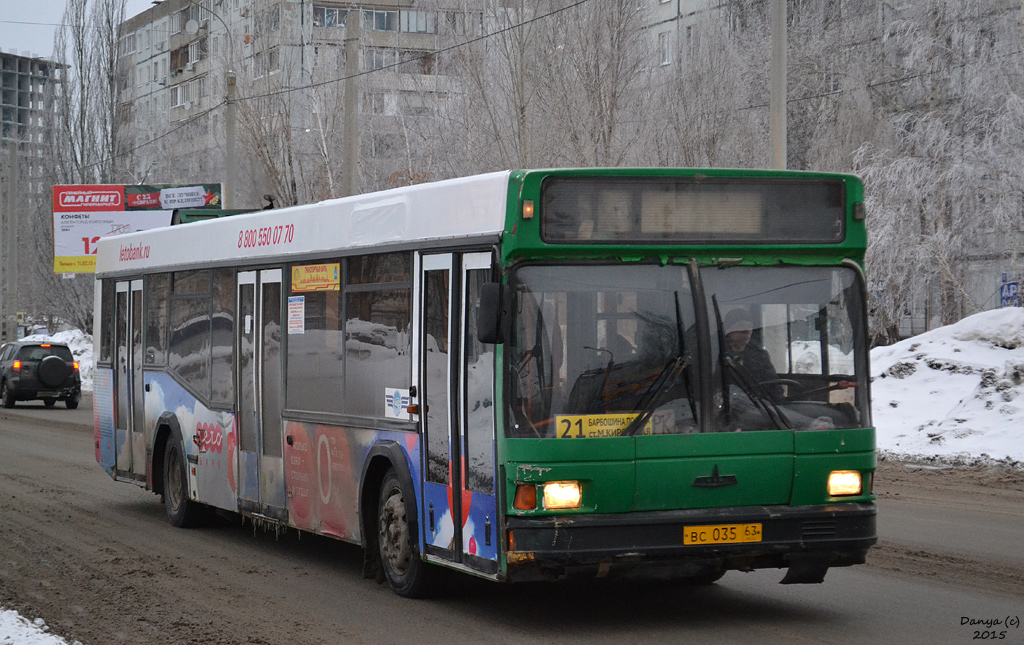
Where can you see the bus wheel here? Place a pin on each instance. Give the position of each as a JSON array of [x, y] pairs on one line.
[[181, 511], [407, 574]]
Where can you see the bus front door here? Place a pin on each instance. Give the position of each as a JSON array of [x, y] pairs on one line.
[[131, 460], [456, 398], [261, 485]]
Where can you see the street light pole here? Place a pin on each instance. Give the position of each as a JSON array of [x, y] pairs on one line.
[[777, 119], [350, 176], [229, 142]]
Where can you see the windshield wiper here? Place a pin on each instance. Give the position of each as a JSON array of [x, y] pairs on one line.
[[666, 376], [751, 388], [650, 401]]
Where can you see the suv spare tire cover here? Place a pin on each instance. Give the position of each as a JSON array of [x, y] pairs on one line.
[[53, 371]]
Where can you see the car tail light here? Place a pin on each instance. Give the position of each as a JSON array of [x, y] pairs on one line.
[[75, 365], [16, 366], [45, 345]]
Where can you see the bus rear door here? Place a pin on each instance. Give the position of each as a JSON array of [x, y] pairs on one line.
[[130, 415]]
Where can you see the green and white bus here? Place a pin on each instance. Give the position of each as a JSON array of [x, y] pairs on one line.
[[524, 375]]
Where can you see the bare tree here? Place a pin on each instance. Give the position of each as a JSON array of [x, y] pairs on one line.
[[491, 119], [594, 82], [704, 103], [84, 143]]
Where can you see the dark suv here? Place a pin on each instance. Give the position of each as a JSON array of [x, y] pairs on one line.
[[37, 370]]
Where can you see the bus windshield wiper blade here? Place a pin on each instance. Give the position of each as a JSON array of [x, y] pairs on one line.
[[750, 388], [753, 392], [666, 375], [648, 404]]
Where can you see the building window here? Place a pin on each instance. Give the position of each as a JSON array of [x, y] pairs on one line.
[[417, 62], [664, 48], [267, 21], [184, 94], [265, 62], [374, 103], [464, 24], [329, 16], [128, 44], [417, 104], [380, 20], [418, 22], [197, 50], [379, 58]]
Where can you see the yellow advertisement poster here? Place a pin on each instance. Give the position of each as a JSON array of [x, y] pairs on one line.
[[74, 264], [316, 277]]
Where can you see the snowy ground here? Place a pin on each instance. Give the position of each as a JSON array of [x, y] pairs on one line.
[[952, 395]]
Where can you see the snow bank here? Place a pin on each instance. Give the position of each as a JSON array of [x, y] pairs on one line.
[[954, 393], [16, 629]]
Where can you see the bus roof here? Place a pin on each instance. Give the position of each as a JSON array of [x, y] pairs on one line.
[[456, 208]]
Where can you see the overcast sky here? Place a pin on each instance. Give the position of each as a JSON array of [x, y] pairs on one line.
[[42, 17]]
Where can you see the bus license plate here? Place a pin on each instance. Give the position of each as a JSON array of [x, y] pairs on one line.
[[721, 534]]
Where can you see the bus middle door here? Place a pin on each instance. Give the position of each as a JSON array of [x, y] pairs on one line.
[[261, 485], [456, 392]]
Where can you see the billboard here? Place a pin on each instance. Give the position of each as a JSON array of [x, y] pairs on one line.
[[82, 214]]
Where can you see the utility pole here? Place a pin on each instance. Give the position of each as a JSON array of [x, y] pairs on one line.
[[230, 160], [350, 175], [3, 244], [11, 230], [777, 120]]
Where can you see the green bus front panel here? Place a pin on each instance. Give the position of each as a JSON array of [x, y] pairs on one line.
[[713, 470], [642, 496], [694, 471]]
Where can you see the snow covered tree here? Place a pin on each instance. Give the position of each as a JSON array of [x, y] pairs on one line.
[[945, 192]]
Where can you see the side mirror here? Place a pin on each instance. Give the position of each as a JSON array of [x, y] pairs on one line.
[[490, 313]]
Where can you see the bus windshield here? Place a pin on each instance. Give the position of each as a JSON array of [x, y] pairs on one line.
[[599, 351]]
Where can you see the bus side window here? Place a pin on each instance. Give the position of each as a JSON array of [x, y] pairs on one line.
[[106, 329]]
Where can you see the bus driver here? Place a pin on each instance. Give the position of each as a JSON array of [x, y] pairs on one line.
[[738, 329]]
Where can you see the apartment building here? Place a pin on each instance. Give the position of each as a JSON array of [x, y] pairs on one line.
[[288, 59], [23, 85], [24, 82]]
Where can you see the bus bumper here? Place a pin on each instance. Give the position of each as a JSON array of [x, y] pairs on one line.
[[807, 540]]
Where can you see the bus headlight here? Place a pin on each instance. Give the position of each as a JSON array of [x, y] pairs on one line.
[[844, 482], [562, 495]]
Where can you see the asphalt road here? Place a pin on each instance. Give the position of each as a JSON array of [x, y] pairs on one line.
[[97, 560]]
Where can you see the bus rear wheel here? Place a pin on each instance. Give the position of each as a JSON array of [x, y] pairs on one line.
[[408, 575], [181, 511]]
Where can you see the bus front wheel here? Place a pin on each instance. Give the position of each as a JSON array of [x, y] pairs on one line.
[[181, 511], [407, 574]]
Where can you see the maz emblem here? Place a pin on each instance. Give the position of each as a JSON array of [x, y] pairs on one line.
[[715, 480]]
